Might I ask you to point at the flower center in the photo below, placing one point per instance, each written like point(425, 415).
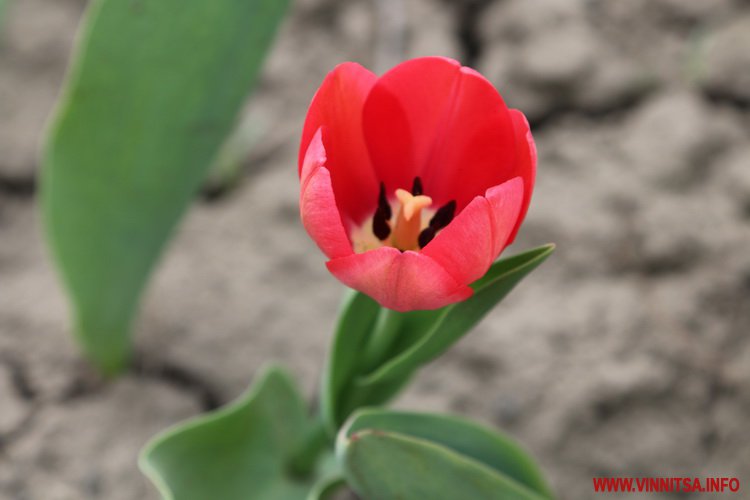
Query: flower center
point(413, 227)
point(405, 233)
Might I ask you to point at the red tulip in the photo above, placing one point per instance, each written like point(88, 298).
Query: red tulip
point(414, 182)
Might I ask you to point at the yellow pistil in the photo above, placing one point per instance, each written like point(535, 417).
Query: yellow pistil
point(405, 234)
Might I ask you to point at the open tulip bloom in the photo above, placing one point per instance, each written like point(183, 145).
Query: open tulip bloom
point(412, 184)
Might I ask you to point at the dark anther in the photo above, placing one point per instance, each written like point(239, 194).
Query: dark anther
point(426, 236)
point(443, 216)
point(383, 206)
point(380, 227)
point(416, 188)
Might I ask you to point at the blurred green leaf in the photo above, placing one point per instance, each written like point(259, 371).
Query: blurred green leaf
point(356, 321)
point(326, 488)
point(239, 452)
point(4, 8)
point(425, 335)
point(153, 92)
point(465, 438)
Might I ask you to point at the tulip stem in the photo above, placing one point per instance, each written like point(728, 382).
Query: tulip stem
point(386, 329)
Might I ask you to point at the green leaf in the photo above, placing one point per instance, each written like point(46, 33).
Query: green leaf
point(465, 438)
point(356, 321)
point(153, 92)
point(326, 488)
point(425, 335)
point(413, 456)
point(238, 452)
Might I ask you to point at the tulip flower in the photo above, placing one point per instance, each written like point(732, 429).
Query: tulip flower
point(414, 182)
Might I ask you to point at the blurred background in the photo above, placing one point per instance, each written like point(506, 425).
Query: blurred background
point(626, 354)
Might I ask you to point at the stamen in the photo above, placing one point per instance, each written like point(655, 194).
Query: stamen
point(383, 204)
point(416, 188)
point(441, 219)
point(381, 227)
point(443, 216)
point(426, 236)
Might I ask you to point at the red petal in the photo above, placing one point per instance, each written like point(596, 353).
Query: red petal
point(474, 239)
point(506, 203)
point(446, 123)
point(337, 107)
point(525, 166)
point(318, 209)
point(401, 281)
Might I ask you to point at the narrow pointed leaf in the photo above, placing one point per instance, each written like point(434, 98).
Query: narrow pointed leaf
point(433, 332)
point(417, 456)
point(239, 452)
point(154, 90)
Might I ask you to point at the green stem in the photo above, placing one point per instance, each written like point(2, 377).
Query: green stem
point(304, 460)
point(384, 334)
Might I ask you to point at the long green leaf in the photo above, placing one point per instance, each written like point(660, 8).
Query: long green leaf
point(239, 452)
point(154, 90)
point(438, 330)
point(413, 457)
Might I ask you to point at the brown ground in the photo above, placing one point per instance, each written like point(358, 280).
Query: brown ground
point(626, 354)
